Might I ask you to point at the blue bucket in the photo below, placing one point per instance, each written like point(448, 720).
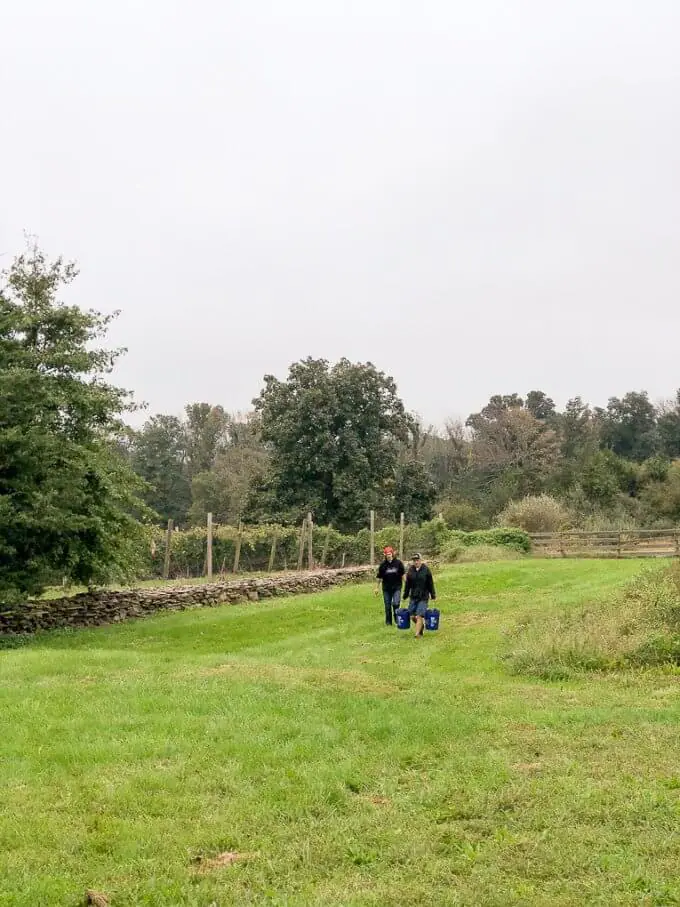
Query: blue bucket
point(403, 619)
point(432, 619)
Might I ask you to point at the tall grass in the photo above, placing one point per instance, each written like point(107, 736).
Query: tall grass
point(637, 628)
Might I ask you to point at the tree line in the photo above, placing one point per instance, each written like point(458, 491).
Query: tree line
point(77, 484)
point(337, 440)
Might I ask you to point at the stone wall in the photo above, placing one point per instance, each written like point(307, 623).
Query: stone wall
point(91, 609)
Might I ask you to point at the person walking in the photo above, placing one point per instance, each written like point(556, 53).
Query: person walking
point(390, 577)
point(419, 589)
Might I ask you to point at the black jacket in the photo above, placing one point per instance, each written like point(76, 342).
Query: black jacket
point(419, 584)
point(391, 573)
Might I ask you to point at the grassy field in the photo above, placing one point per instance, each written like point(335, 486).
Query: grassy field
point(344, 762)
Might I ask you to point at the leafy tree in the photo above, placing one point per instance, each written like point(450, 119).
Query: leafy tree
point(462, 515)
point(159, 455)
point(497, 404)
point(445, 454)
point(333, 433)
point(206, 428)
point(414, 492)
point(628, 426)
point(578, 430)
point(662, 497)
point(224, 489)
point(604, 476)
point(540, 405)
point(669, 428)
point(263, 503)
point(654, 470)
point(66, 494)
point(512, 440)
point(536, 513)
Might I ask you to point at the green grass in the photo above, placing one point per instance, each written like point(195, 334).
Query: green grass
point(356, 765)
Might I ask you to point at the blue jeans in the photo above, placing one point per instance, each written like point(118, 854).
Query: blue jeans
point(392, 599)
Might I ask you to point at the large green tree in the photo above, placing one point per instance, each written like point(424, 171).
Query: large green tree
point(206, 428)
point(414, 492)
point(669, 427)
point(159, 455)
point(629, 426)
point(67, 495)
point(334, 434)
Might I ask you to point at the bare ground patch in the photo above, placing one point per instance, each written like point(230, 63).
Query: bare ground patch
point(204, 864)
point(290, 675)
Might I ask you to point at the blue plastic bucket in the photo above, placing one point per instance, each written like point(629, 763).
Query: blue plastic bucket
point(403, 619)
point(432, 619)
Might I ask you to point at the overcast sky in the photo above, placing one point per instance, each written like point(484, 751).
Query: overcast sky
point(480, 197)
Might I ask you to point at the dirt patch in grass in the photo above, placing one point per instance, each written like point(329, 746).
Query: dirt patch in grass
point(221, 861)
point(292, 675)
point(96, 898)
point(471, 619)
point(528, 768)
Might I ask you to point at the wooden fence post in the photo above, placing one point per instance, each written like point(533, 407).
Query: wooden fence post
point(310, 550)
point(209, 549)
point(401, 536)
point(677, 544)
point(562, 548)
point(272, 554)
point(301, 547)
point(620, 545)
point(372, 552)
point(168, 545)
point(237, 552)
point(326, 543)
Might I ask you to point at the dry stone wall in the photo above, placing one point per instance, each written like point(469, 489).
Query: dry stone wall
point(91, 609)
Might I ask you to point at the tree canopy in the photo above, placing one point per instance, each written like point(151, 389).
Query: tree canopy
point(68, 499)
point(334, 434)
point(338, 440)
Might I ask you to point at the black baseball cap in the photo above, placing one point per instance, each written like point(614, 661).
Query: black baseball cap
point(416, 557)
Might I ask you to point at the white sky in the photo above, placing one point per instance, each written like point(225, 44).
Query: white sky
point(480, 197)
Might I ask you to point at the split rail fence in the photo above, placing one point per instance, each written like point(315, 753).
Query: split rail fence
point(628, 543)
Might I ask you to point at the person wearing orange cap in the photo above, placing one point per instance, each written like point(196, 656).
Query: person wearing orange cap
point(390, 577)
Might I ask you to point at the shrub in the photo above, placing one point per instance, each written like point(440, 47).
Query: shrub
point(536, 513)
point(503, 536)
point(463, 515)
point(451, 553)
point(636, 629)
point(428, 538)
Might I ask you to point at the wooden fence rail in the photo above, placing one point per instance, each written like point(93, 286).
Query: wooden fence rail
point(626, 543)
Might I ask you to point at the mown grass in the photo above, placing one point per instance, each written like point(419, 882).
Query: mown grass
point(353, 764)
